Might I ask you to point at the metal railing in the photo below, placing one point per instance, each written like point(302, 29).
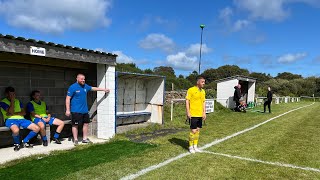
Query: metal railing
point(277, 100)
point(209, 105)
point(258, 101)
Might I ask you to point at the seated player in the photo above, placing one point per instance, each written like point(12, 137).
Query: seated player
point(13, 115)
point(39, 114)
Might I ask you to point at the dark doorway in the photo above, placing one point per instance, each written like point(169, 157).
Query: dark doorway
point(244, 89)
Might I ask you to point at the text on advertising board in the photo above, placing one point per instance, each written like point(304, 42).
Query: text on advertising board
point(209, 106)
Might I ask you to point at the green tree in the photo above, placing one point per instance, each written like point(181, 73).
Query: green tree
point(130, 67)
point(231, 70)
point(182, 84)
point(148, 71)
point(288, 76)
point(317, 87)
point(309, 86)
point(284, 84)
point(211, 75)
point(211, 93)
point(164, 71)
point(192, 78)
point(261, 77)
point(211, 85)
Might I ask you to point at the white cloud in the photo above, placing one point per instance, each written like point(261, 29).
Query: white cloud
point(289, 58)
point(240, 24)
point(56, 16)
point(264, 9)
point(123, 58)
point(182, 61)
point(272, 10)
point(275, 10)
point(233, 26)
point(157, 41)
point(194, 49)
point(225, 14)
point(188, 59)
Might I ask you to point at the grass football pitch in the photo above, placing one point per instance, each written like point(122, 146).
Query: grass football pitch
point(287, 147)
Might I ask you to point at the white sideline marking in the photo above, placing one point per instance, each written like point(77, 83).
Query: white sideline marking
point(164, 163)
point(249, 129)
point(265, 162)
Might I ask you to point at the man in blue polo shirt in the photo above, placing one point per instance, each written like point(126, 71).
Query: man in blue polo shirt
point(76, 106)
point(13, 112)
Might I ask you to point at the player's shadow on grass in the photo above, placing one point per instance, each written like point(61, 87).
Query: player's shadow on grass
point(180, 142)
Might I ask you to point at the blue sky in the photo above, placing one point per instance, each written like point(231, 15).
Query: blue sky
point(268, 36)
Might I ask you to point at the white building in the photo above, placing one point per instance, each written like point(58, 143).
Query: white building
point(225, 90)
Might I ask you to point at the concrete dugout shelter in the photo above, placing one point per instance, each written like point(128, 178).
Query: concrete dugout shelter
point(225, 89)
point(140, 98)
point(27, 64)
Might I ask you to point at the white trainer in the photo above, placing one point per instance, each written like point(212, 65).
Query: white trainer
point(196, 149)
point(191, 150)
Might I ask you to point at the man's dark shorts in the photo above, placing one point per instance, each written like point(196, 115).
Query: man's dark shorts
point(196, 122)
point(79, 118)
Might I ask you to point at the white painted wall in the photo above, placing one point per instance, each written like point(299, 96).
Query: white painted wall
point(251, 91)
point(155, 93)
point(131, 95)
point(139, 93)
point(225, 91)
point(106, 103)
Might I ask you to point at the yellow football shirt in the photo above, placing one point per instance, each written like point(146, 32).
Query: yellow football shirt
point(196, 99)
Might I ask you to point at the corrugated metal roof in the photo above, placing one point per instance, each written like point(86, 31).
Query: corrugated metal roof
point(239, 77)
point(55, 45)
point(138, 75)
